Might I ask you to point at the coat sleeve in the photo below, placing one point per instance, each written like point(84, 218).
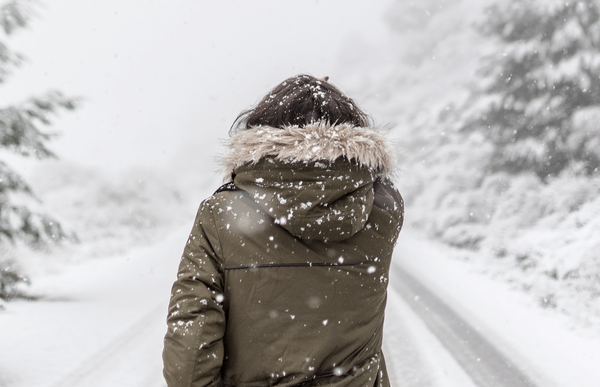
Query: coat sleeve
point(193, 348)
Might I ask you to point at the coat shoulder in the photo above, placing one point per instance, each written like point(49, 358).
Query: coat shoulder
point(230, 186)
point(387, 195)
point(388, 199)
point(215, 208)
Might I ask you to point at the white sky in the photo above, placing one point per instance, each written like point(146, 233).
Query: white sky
point(163, 78)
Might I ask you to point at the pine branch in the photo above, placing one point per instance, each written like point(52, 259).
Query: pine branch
point(15, 14)
point(20, 223)
point(19, 124)
point(586, 20)
point(10, 181)
point(10, 281)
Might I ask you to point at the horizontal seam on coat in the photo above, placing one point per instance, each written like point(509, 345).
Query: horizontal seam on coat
point(300, 264)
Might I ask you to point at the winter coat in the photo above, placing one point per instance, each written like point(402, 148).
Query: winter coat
point(283, 279)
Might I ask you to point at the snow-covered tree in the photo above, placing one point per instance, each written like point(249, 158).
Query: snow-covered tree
point(537, 91)
point(20, 134)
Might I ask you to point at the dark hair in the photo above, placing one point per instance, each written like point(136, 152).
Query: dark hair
point(300, 101)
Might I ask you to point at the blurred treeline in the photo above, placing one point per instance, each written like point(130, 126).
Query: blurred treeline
point(497, 106)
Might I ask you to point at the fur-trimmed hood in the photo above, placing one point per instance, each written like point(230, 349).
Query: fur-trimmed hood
point(317, 182)
point(319, 141)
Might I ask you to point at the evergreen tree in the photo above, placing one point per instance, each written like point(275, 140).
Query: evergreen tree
point(20, 133)
point(546, 71)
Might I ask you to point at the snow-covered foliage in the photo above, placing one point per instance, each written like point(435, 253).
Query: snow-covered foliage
point(11, 282)
point(543, 237)
point(500, 137)
point(20, 134)
point(546, 68)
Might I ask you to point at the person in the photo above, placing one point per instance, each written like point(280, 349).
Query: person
point(283, 279)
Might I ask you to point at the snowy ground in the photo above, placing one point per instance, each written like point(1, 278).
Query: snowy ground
point(102, 323)
point(553, 349)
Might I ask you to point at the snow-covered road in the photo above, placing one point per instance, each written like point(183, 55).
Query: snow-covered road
point(103, 323)
point(478, 357)
point(548, 348)
point(414, 356)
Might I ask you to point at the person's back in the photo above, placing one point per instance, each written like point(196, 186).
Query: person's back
point(283, 280)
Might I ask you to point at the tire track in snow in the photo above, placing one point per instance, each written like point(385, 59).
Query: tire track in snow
point(414, 356)
point(479, 358)
point(126, 361)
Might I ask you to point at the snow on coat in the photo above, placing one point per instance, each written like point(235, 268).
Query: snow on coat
point(283, 279)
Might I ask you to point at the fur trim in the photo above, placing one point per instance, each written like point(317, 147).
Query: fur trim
point(319, 141)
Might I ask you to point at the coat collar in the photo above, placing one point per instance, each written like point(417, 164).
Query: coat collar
point(319, 141)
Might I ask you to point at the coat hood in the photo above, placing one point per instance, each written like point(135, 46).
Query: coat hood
point(316, 181)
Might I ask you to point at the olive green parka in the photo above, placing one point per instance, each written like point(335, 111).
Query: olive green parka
point(283, 279)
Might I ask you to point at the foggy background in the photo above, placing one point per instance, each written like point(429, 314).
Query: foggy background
point(493, 107)
point(160, 80)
